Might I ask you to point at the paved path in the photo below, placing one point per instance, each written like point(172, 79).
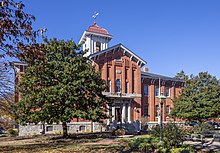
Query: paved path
point(209, 145)
point(108, 141)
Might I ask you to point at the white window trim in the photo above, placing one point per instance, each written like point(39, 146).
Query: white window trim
point(169, 92)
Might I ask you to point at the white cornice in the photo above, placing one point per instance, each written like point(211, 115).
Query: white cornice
point(124, 50)
point(85, 33)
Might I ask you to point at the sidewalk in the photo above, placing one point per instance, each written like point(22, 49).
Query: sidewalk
point(209, 145)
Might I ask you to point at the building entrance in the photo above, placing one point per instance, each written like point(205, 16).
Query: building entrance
point(118, 114)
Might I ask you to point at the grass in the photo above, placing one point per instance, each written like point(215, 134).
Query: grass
point(60, 147)
point(55, 144)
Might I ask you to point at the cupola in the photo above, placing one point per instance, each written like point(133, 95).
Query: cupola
point(95, 39)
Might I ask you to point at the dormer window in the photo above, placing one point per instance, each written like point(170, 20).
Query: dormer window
point(98, 47)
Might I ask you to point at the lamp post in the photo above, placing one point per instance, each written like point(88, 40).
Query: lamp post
point(161, 98)
point(121, 107)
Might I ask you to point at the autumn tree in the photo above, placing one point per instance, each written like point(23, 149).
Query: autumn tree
point(16, 33)
point(61, 87)
point(199, 100)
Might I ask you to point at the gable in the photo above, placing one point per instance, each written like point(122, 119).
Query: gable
point(117, 51)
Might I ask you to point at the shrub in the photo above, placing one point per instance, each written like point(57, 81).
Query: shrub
point(146, 143)
point(201, 128)
point(182, 150)
point(118, 132)
point(187, 129)
point(144, 123)
point(13, 132)
point(173, 135)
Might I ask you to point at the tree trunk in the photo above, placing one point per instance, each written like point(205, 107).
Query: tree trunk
point(64, 130)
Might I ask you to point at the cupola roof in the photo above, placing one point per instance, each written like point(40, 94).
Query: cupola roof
point(97, 29)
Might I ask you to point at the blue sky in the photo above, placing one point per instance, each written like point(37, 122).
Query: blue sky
point(171, 35)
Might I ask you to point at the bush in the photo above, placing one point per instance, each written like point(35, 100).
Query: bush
point(146, 143)
point(173, 135)
point(151, 144)
point(13, 132)
point(182, 150)
point(118, 132)
point(201, 128)
point(188, 129)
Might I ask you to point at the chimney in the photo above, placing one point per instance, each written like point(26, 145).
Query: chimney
point(146, 69)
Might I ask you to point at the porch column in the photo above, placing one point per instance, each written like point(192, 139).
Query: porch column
point(129, 112)
point(113, 113)
point(123, 113)
point(108, 113)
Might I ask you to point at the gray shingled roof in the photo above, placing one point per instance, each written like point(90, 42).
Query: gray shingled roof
point(157, 76)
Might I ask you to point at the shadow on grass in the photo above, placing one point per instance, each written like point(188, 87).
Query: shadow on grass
point(33, 147)
point(63, 147)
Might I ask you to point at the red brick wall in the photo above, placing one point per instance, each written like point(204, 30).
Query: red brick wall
point(130, 72)
point(151, 100)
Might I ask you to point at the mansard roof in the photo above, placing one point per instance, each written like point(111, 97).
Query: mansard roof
point(125, 50)
point(157, 76)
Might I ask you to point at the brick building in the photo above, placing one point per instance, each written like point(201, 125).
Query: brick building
point(133, 89)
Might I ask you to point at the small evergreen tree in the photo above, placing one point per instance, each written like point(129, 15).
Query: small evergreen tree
point(62, 86)
point(199, 100)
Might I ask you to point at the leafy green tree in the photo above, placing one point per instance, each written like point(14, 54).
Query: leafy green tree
point(181, 75)
point(62, 86)
point(199, 100)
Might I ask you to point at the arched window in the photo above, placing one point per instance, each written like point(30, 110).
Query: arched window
point(98, 47)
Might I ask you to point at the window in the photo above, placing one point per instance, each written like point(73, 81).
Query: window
point(118, 85)
point(109, 85)
point(167, 91)
point(49, 128)
point(98, 47)
point(118, 59)
point(82, 128)
point(145, 90)
point(145, 110)
point(25, 67)
point(167, 109)
point(118, 114)
point(21, 68)
point(126, 87)
point(157, 91)
point(157, 110)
